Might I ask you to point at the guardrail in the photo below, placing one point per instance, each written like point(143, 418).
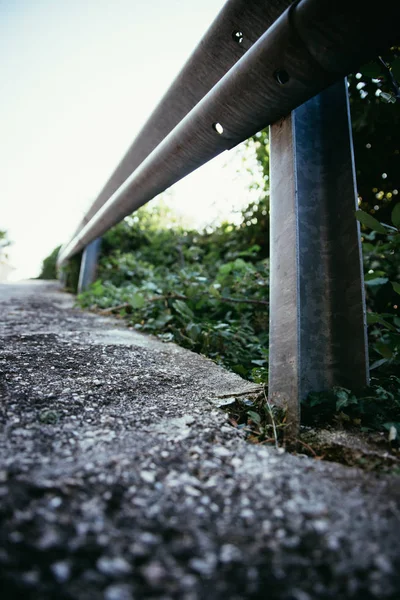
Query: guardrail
point(263, 63)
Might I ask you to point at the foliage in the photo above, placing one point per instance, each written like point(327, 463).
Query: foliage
point(202, 291)
point(378, 405)
point(70, 273)
point(4, 243)
point(49, 269)
point(376, 124)
point(382, 282)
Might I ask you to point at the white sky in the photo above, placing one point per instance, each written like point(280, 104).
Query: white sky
point(78, 80)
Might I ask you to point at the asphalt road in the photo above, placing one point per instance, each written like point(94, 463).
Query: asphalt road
point(119, 479)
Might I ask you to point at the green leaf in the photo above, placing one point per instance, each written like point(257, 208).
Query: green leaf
point(137, 301)
point(396, 286)
point(221, 326)
point(97, 289)
point(374, 275)
point(254, 416)
point(368, 247)
point(316, 398)
point(378, 363)
point(377, 281)
point(343, 398)
point(369, 221)
point(396, 216)
point(373, 318)
point(183, 309)
point(240, 370)
point(384, 350)
point(193, 330)
point(226, 268)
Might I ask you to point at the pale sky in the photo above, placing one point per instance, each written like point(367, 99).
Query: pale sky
point(78, 80)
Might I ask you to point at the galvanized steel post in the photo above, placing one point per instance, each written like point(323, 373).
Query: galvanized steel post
point(87, 273)
point(62, 276)
point(317, 319)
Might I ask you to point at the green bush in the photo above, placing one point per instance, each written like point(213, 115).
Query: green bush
point(49, 269)
point(202, 290)
point(4, 243)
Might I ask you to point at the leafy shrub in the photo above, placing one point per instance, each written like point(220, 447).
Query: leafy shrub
point(186, 287)
point(49, 269)
point(382, 278)
point(4, 243)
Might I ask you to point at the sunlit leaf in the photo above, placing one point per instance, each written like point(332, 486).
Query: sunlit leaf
point(137, 301)
point(376, 281)
point(260, 363)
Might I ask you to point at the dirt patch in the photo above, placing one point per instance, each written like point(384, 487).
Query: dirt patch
point(369, 451)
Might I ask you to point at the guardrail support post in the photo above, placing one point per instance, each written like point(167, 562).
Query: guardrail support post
point(87, 273)
point(62, 277)
point(317, 304)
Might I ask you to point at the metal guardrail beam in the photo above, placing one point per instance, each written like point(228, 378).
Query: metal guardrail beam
point(318, 333)
point(311, 45)
point(238, 25)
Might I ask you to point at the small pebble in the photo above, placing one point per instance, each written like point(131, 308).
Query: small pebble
point(148, 476)
point(118, 592)
point(113, 566)
point(61, 571)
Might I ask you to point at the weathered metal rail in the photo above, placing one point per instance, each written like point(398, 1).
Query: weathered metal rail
point(259, 62)
point(282, 69)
